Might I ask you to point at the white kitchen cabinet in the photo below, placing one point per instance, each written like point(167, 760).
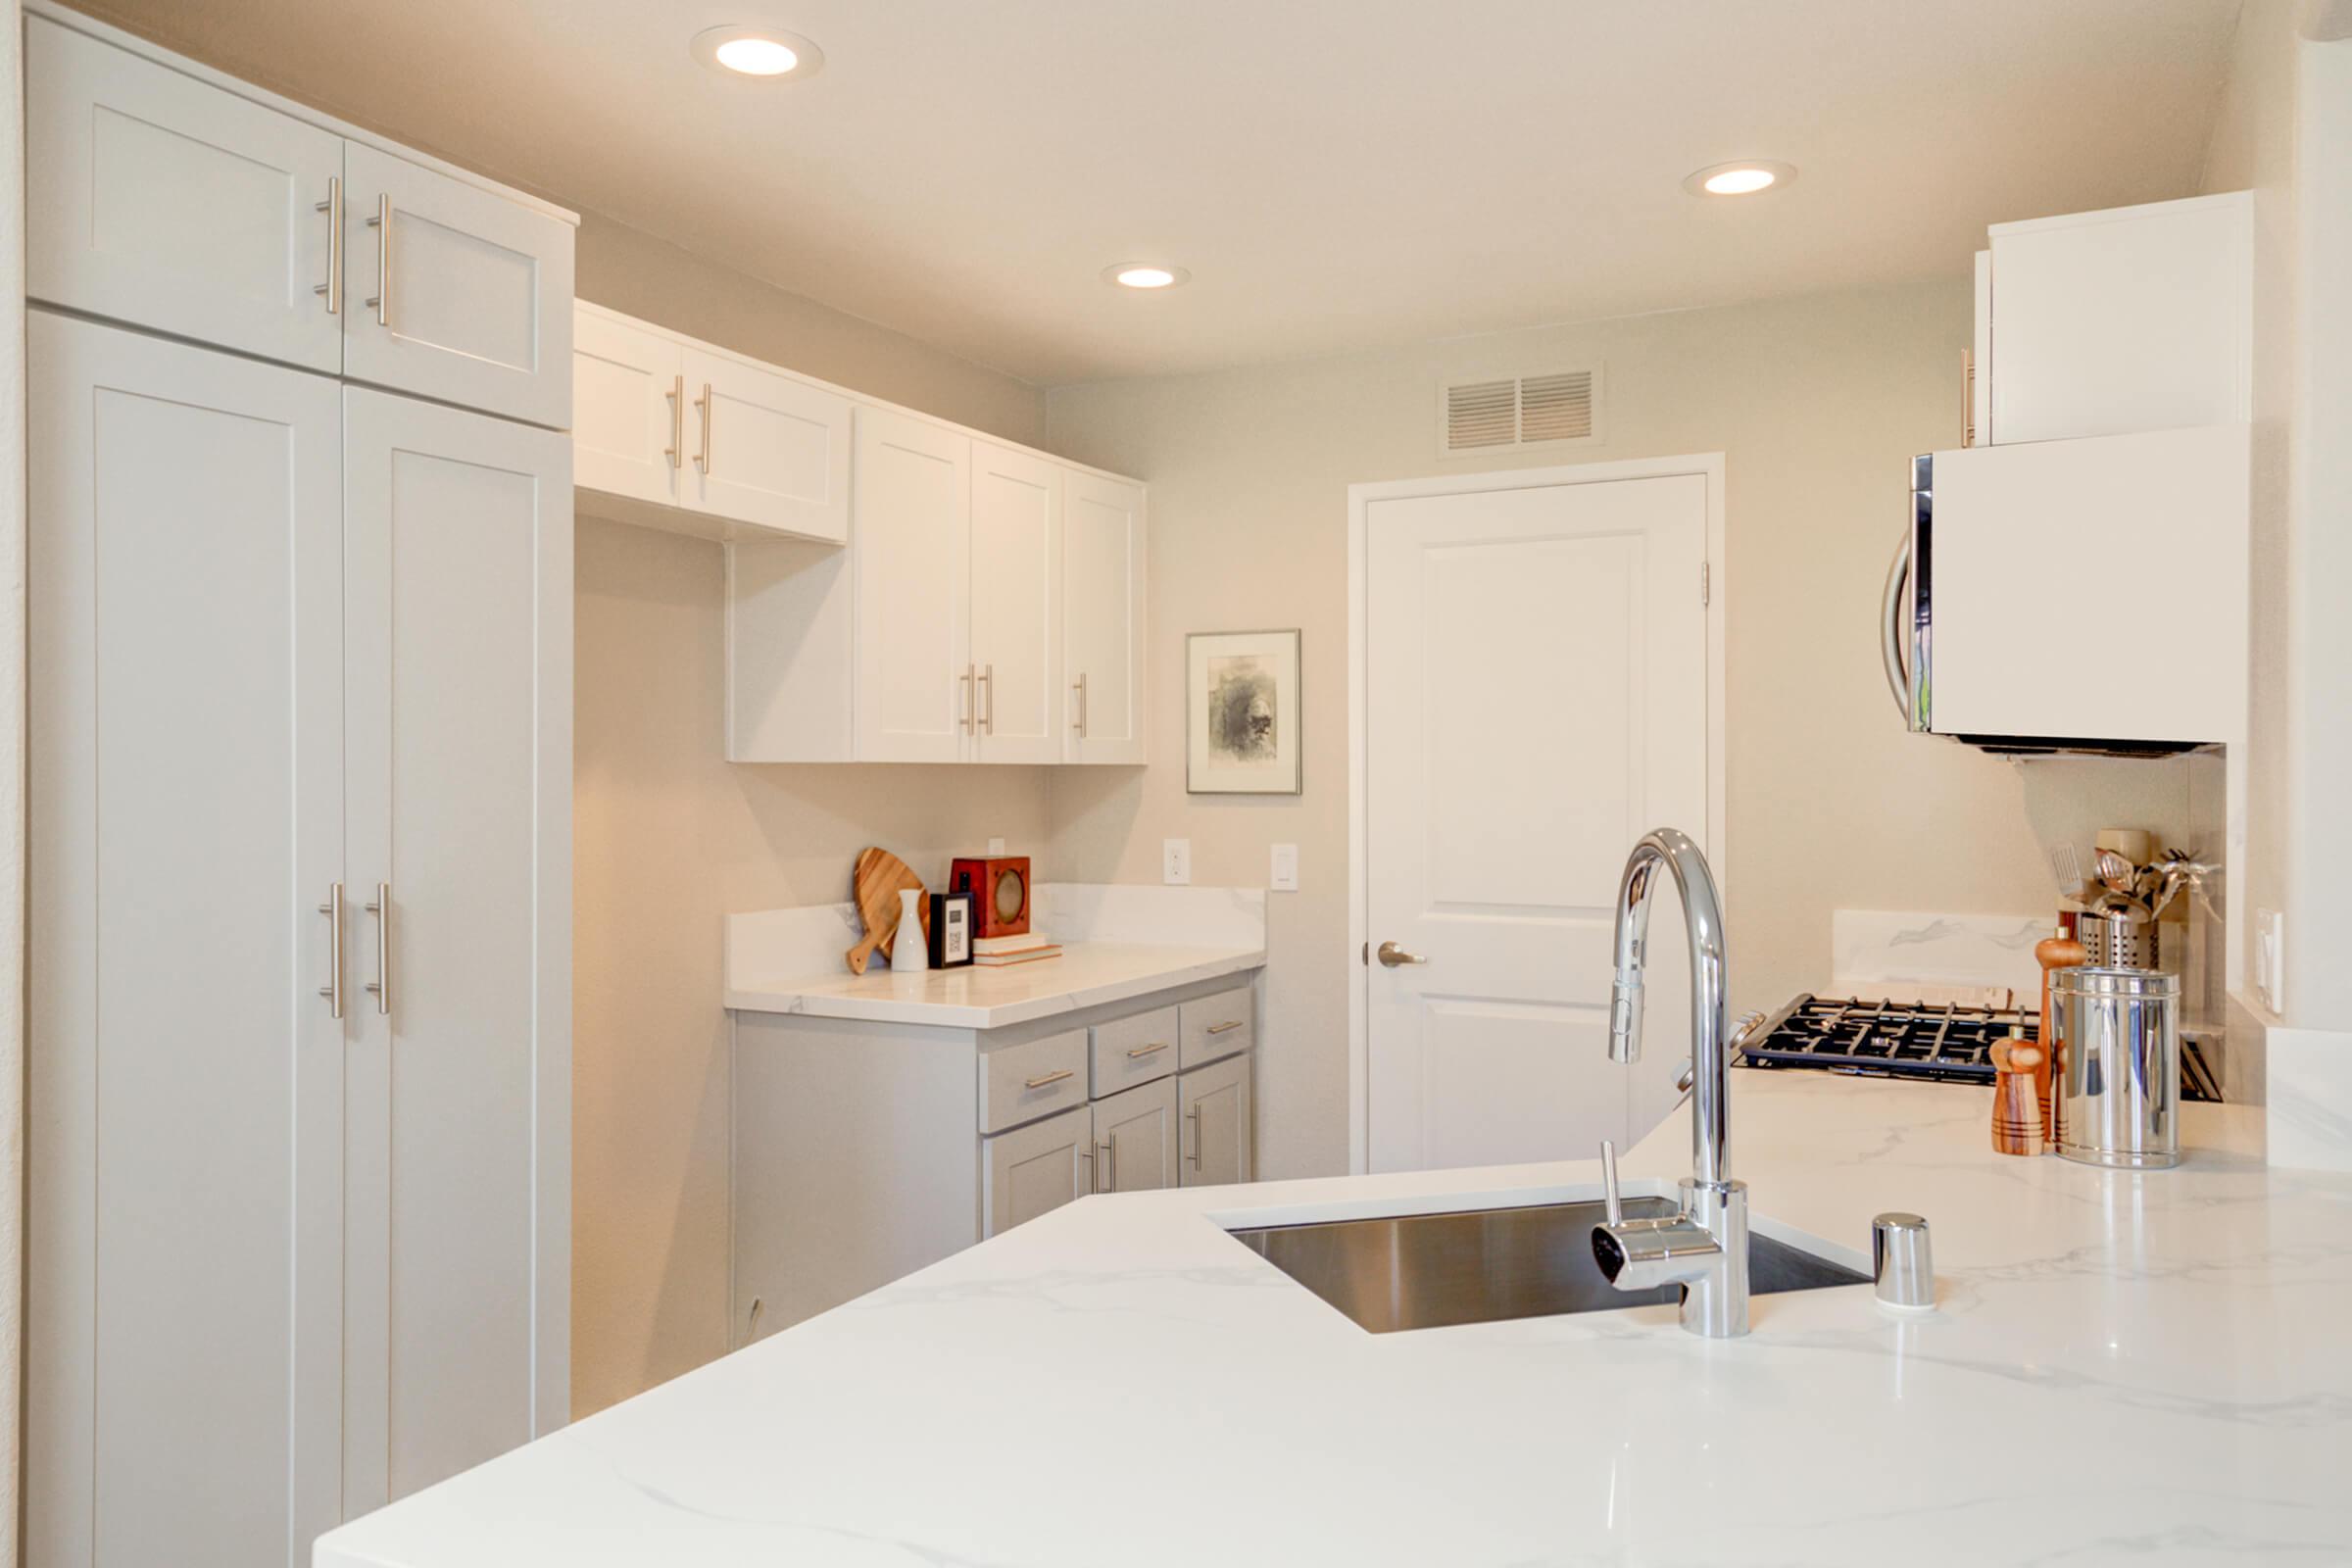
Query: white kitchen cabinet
point(910, 558)
point(862, 1150)
point(303, 649)
point(1102, 618)
point(455, 293)
point(1016, 559)
point(164, 199)
point(1135, 1138)
point(457, 561)
point(1217, 1132)
point(1035, 1169)
point(184, 1308)
point(2125, 320)
point(629, 408)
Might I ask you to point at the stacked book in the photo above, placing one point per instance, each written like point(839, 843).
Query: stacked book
point(994, 953)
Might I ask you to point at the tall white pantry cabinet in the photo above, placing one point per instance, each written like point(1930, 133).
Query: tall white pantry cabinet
point(300, 785)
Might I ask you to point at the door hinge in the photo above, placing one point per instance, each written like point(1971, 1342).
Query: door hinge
point(1707, 583)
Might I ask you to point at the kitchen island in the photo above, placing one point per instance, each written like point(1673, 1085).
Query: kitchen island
point(2121, 1368)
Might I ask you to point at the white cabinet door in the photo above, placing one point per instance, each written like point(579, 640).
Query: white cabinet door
point(157, 199)
point(1016, 605)
point(1032, 1169)
point(1103, 594)
point(1135, 1138)
point(457, 660)
point(1217, 1132)
point(629, 408)
point(912, 557)
point(765, 451)
point(184, 1313)
point(455, 293)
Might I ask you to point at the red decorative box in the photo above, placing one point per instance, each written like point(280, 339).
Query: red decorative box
point(1000, 888)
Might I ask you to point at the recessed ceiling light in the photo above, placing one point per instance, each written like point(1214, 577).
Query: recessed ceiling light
point(767, 53)
point(1745, 177)
point(1146, 275)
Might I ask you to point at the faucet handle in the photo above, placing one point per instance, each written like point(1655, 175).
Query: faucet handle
point(1608, 1182)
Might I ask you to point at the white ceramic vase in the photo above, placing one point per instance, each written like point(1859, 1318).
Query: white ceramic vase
point(908, 951)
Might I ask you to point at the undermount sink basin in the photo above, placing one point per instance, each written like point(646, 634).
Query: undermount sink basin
point(1484, 1266)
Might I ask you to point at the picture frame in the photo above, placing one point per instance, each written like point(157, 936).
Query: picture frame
point(951, 930)
point(1243, 709)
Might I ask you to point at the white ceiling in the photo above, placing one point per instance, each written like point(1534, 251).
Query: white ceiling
point(1337, 174)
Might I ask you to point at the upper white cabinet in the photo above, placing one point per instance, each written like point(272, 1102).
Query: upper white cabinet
point(2106, 322)
point(910, 556)
point(676, 434)
point(452, 292)
point(1102, 620)
point(163, 200)
point(1016, 605)
point(166, 196)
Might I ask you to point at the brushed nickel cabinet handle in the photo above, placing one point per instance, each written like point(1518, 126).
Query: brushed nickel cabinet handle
point(708, 409)
point(965, 682)
point(1103, 1166)
point(333, 908)
point(381, 988)
point(1146, 1050)
point(675, 452)
point(381, 222)
point(332, 288)
point(1087, 1153)
point(1192, 1115)
point(1079, 724)
point(988, 712)
point(1225, 1028)
point(1044, 1079)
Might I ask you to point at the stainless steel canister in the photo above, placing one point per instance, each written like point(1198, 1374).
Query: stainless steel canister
point(2119, 1066)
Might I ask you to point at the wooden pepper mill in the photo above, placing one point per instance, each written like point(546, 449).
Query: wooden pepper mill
point(2016, 1113)
point(2061, 951)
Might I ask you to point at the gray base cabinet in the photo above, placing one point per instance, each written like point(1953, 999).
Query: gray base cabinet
point(864, 1152)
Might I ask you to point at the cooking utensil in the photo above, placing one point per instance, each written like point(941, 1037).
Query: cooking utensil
point(2115, 871)
point(874, 887)
point(2067, 865)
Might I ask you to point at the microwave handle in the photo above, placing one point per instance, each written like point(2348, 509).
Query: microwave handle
point(1890, 628)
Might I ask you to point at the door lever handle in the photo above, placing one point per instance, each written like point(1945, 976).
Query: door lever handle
point(1391, 957)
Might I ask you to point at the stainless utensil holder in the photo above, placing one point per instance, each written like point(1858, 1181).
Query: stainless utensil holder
point(2118, 1036)
point(2115, 943)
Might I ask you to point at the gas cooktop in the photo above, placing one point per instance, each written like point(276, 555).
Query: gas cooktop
point(1945, 1043)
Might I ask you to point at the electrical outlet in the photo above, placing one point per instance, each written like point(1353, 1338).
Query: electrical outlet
point(2270, 959)
point(1176, 862)
point(1285, 877)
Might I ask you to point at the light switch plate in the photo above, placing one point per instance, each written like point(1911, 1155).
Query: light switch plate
point(995, 845)
point(1176, 862)
point(1285, 875)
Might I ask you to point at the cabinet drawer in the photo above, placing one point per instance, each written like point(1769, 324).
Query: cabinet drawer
point(1134, 1050)
point(1021, 1083)
point(1215, 1026)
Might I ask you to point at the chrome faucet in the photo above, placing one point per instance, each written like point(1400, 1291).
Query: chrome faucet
point(1704, 1247)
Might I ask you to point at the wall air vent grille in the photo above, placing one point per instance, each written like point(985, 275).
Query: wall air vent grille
point(1550, 408)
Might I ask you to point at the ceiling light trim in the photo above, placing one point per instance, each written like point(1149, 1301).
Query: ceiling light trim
point(1782, 176)
point(807, 58)
point(1167, 274)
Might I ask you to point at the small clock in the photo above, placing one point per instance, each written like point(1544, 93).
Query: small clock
point(1000, 889)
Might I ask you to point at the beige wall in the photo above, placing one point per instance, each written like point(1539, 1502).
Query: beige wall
point(1818, 403)
point(668, 836)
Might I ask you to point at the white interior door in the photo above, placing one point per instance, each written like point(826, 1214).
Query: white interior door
point(1103, 587)
point(184, 1305)
point(455, 293)
point(1016, 605)
point(1535, 698)
point(459, 552)
point(912, 559)
point(159, 198)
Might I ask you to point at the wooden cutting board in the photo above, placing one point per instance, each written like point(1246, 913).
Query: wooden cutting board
point(874, 888)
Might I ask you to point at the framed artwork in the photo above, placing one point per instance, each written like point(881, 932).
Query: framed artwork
point(1242, 712)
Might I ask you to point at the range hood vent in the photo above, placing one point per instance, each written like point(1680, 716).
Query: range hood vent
point(1502, 414)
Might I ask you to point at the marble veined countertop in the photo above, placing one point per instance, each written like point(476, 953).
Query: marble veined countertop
point(977, 997)
point(2124, 1369)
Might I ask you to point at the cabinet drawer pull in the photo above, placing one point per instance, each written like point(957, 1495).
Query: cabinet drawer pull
point(675, 452)
point(332, 288)
point(381, 988)
point(333, 908)
point(709, 413)
point(1225, 1028)
point(1079, 724)
point(1192, 1115)
point(1103, 1166)
point(1055, 1077)
point(988, 714)
point(381, 222)
point(1146, 1050)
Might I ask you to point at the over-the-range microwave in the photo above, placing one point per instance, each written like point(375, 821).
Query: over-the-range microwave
point(2075, 596)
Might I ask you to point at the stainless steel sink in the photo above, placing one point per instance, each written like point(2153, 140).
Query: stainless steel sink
point(1426, 1271)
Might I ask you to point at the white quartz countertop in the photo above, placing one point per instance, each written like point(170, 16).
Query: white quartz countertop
point(2124, 1369)
point(1084, 974)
